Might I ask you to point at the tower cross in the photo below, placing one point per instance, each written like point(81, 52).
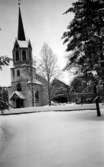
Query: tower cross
point(19, 3)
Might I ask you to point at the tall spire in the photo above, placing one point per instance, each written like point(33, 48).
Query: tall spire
point(21, 33)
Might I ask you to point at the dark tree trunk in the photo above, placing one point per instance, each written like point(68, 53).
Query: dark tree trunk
point(49, 93)
point(97, 101)
point(2, 112)
point(98, 108)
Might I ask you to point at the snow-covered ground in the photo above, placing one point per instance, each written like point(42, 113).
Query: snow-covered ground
point(52, 139)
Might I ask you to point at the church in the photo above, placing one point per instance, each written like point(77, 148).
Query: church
point(27, 87)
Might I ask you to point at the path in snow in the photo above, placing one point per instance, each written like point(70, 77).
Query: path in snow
point(54, 139)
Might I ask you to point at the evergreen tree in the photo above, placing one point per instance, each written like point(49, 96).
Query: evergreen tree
point(3, 99)
point(85, 38)
point(4, 60)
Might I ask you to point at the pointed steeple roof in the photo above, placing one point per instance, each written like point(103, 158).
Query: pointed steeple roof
point(21, 33)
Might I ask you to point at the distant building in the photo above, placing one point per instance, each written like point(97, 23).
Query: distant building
point(60, 91)
point(27, 87)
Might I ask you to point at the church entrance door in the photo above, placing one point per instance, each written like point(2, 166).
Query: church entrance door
point(19, 103)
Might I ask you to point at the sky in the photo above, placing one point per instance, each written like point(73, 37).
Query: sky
point(43, 22)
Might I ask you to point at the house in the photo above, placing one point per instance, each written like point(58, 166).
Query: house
point(60, 91)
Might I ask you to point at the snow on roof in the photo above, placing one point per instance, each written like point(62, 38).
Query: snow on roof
point(23, 44)
point(18, 94)
point(35, 81)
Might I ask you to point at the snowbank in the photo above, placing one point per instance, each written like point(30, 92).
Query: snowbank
point(64, 107)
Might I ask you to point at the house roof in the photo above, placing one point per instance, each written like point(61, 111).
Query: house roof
point(59, 82)
point(17, 94)
point(35, 81)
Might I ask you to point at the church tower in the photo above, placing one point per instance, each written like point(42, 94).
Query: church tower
point(27, 88)
point(23, 71)
point(22, 51)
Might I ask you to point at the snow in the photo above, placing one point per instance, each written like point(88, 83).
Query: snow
point(35, 81)
point(18, 94)
point(23, 44)
point(61, 107)
point(52, 139)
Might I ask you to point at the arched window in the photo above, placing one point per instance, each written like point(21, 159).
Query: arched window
point(24, 55)
point(19, 88)
point(37, 95)
point(18, 73)
point(17, 55)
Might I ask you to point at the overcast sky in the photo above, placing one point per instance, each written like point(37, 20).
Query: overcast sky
point(43, 22)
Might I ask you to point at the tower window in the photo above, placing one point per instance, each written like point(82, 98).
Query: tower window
point(17, 55)
point(37, 96)
point(18, 73)
point(19, 87)
point(24, 55)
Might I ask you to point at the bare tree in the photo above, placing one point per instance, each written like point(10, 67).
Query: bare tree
point(47, 67)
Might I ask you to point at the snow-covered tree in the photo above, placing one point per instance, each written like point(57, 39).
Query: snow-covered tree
point(85, 37)
point(4, 60)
